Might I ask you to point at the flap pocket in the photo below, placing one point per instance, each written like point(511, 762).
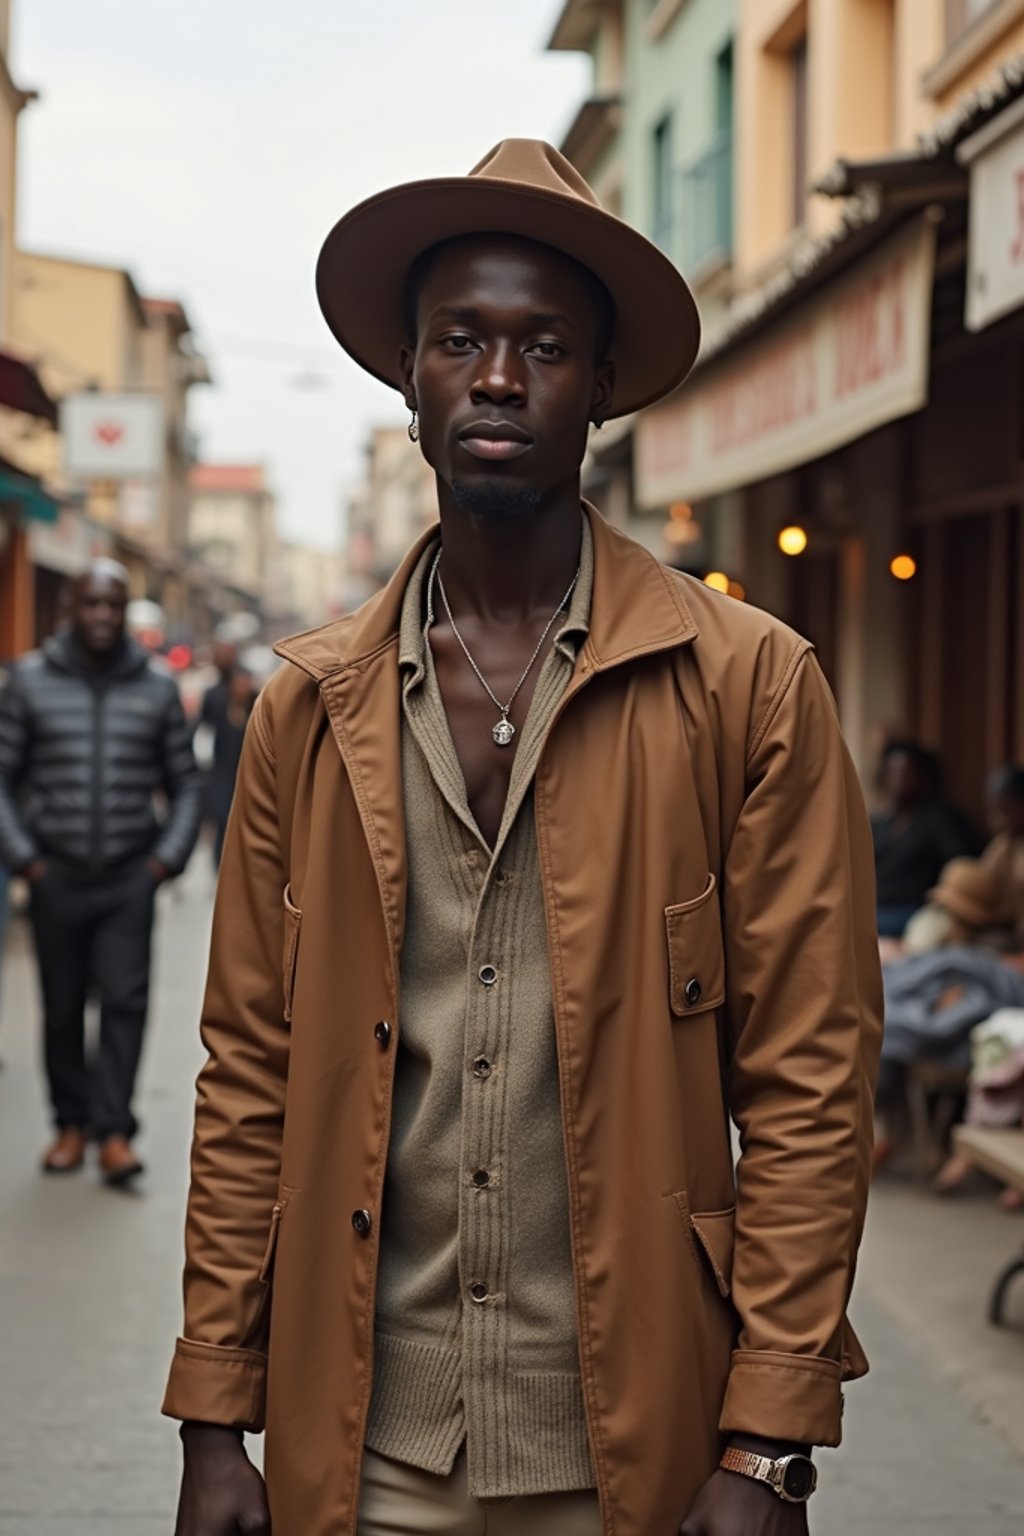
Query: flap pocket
point(696, 960)
point(715, 1231)
point(292, 924)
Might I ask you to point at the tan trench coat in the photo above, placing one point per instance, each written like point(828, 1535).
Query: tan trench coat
point(709, 891)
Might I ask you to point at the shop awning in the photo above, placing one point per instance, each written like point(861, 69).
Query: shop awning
point(28, 496)
point(21, 389)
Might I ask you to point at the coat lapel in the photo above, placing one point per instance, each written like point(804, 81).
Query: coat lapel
point(638, 608)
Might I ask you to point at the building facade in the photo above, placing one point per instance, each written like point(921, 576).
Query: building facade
point(233, 540)
point(847, 452)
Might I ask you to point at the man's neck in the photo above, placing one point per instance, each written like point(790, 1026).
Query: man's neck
point(505, 570)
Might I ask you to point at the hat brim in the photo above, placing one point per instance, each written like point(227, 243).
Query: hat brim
point(365, 262)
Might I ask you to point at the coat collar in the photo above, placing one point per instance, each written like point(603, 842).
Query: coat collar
point(637, 607)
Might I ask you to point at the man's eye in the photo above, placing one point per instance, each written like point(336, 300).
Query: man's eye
point(458, 343)
point(548, 348)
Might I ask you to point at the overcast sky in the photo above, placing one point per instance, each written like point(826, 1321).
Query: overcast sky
point(208, 146)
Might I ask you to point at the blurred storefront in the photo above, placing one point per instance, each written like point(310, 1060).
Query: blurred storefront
point(853, 446)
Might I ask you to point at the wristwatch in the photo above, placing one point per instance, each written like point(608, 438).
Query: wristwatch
point(794, 1478)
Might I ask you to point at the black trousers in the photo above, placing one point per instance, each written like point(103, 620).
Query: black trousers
point(94, 936)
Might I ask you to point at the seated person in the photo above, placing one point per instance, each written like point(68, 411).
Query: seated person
point(1004, 856)
point(915, 836)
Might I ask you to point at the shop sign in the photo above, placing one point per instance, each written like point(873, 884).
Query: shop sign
point(69, 544)
point(855, 357)
point(111, 437)
point(995, 242)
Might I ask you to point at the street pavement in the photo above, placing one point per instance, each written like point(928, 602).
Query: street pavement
point(89, 1308)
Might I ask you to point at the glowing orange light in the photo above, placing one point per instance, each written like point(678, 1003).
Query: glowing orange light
point(793, 540)
point(680, 512)
point(737, 590)
point(904, 567)
point(681, 533)
point(718, 581)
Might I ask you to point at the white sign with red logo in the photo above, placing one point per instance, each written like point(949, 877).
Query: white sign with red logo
point(995, 250)
point(854, 357)
point(111, 437)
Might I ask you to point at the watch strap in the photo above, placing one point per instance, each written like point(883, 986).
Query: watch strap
point(747, 1464)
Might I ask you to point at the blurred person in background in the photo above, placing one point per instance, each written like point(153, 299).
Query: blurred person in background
point(228, 725)
point(469, 1257)
point(90, 733)
point(1004, 856)
point(915, 835)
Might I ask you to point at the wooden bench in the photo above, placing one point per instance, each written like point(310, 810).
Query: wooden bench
point(1001, 1154)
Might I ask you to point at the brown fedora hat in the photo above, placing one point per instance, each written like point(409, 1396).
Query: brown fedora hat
point(526, 188)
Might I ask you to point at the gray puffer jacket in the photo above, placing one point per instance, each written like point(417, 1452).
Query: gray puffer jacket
point(82, 755)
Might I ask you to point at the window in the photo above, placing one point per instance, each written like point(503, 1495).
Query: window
point(707, 182)
point(798, 61)
point(661, 140)
point(960, 14)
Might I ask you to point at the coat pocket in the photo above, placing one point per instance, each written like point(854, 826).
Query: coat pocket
point(712, 1236)
point(696, 959)
point(292, 925)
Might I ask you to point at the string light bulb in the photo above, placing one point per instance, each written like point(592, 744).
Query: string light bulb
point(793, 540)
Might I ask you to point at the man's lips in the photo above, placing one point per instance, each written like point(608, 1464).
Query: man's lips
point(495, 440)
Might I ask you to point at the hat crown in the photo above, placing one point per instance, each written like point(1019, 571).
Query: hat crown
point(533, 163)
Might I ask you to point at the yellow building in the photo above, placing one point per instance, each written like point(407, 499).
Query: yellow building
point(860, 379)
point(89, 329)
point(27, 414)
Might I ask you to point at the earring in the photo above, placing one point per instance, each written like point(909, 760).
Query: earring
point(414, 428)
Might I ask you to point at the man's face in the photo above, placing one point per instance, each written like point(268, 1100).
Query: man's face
point(505, 373)
point(98, 613)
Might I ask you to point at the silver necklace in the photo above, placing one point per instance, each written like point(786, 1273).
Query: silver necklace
point(504, 730)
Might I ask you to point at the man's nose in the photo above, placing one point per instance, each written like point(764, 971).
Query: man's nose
point(500, 376)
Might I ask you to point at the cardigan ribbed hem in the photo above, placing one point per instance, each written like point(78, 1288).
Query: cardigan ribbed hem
point(539, 1442)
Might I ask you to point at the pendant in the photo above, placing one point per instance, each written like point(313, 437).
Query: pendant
point(503, 731)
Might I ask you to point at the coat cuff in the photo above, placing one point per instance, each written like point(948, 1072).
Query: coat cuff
point(215, 1385)
point(783, 1397)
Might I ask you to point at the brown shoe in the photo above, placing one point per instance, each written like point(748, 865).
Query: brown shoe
point(118, 1162)
point(67, 1153)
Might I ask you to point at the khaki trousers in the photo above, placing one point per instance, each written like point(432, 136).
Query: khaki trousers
point(398, 1500)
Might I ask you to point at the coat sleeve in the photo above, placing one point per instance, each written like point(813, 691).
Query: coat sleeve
point(17, 847)
point(219, 1368)
point(184, 787)
point(805, 1024)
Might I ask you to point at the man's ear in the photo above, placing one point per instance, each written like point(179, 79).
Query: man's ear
point(604, 391)
point(406, 363)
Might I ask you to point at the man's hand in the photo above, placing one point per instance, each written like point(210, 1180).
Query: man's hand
point(222, 1494)
point(732, 1505)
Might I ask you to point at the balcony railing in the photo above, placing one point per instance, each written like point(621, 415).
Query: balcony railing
point(707, 206)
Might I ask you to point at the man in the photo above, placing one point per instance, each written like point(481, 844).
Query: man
point(915, 836)
point(540, 864)
point(90, 731)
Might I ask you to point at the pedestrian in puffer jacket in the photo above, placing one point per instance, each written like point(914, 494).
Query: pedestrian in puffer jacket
point(90, 732)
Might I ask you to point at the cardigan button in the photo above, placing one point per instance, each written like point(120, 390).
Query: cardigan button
point(382, 1034)
point(488, 975)
point(693, 992)
point(362, 1223)
point(479, 1292)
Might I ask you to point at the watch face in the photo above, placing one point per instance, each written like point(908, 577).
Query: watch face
point(798, 1479)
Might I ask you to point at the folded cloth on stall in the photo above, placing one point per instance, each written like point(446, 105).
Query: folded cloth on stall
point(932, 1003)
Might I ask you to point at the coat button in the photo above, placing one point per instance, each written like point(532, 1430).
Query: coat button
point(481, 1179)
point(693, 992)
point(479, 1292)
point(488, 975)
point(382, 1034)
point(481, 1068)
point(362, 1223)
